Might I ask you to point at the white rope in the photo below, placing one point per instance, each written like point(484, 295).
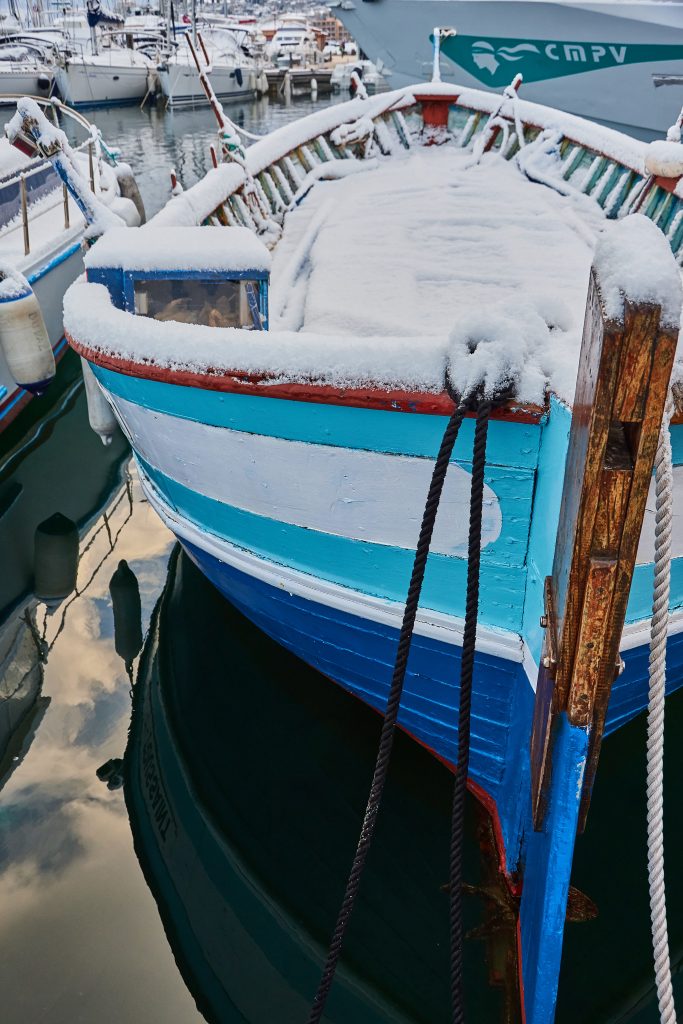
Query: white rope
point(655, 720)
point(243, 131)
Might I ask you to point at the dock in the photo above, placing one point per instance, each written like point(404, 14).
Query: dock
point(301, 81)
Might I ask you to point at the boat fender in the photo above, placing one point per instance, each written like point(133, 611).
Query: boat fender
point(55, 565)
point(44, 82)
point(23, 336)
point(128, 187)
point(126, 210)
point(664, 159)
point(100, 415)
point(127, 608)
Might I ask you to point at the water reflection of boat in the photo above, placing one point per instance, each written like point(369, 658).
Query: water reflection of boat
point(244, 821)
point(22, 704)
point(48, 475)
point(43, 477)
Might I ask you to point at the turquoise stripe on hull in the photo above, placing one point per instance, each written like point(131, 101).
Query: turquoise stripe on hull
point(510, 444)
point(375, 569)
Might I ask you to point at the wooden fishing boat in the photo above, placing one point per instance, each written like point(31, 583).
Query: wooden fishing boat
point(290, 445)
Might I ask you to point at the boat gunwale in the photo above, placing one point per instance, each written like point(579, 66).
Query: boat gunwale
point(239, 382)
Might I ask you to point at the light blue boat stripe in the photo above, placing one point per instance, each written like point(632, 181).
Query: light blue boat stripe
point(677, 444)
point(640, 598)
point(510, 444)
point(376, 569)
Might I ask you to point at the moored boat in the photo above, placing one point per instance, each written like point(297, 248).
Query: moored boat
point(41, 230)
point(290, 445)
point(114, 76)
point(615, 62)
point(233, 73)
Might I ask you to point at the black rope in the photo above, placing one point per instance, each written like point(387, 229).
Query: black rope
point(465, 708)
point(391, 714)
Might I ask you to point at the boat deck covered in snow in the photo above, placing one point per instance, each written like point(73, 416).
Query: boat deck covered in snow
point(435, 243)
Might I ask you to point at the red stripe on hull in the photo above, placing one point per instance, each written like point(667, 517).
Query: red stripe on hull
point(254, 384)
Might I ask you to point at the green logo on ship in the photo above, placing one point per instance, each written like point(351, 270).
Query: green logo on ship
point(494, 61)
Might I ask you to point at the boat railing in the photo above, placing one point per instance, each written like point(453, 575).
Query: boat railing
point(23, 193)
point(589, 159)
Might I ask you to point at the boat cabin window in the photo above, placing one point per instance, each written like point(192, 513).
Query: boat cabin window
point(210, 303)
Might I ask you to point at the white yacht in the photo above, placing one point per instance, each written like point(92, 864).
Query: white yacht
point(233, 74)
point(372, 77)
point(617, 62)
point(25, 68)
point(114, 75)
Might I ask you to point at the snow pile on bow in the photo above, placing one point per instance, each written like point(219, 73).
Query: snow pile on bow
point(634, 258)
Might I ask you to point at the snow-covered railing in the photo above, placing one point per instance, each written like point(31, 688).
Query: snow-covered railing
point(566, 152)
point(31, 130)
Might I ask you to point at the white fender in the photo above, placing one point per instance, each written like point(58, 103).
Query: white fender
point(126, 210)
point(23, 335)
point(100, 415)
point(128, 187)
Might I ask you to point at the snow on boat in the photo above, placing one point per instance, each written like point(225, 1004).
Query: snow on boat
point(289, 439)
point(234, 74)
point(116, 76)
point(41, 230)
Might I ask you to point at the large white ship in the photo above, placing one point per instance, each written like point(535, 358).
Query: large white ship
point(620, 63)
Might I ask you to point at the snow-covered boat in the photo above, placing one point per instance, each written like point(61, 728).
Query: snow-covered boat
point(115, 76)
point(233, 73)
point(289, 441)
point(25, 68)
point(41, 231)
point(369, 73)
point(612, 61)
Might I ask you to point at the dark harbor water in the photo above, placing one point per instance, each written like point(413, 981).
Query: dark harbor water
point(153, 140)
point(199, 878)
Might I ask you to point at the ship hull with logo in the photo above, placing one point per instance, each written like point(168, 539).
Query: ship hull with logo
point(617, 63)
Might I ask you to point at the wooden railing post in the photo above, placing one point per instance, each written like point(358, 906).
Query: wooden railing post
point(623, 378)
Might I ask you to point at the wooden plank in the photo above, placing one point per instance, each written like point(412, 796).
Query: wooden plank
point(623, 377)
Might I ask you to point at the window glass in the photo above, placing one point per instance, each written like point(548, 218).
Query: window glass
point(211, 303)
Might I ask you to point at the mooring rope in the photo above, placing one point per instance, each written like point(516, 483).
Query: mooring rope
point(465, 709)
point(655, 720)
point(396, 690)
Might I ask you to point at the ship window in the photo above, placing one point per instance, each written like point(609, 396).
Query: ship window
point(210, 303)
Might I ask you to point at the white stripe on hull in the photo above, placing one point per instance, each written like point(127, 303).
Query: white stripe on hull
point(361, 495)
point(436, 625)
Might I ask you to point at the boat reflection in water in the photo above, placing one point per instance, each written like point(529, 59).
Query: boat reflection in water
point(53, 488)
point(245, 784)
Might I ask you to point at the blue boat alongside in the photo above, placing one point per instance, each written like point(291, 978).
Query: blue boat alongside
point(41, 234)
point(290, 448)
